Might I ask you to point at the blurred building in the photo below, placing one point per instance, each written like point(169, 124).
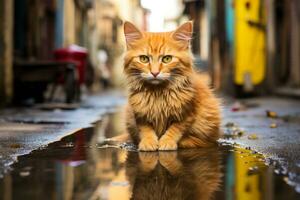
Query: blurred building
point(30, 31)
point(6, 49)
point(106, 34)
point(163, 17)
point(248, 46)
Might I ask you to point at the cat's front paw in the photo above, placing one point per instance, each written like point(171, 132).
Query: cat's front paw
point(148, 144)
point(166, 143)
point(148, 160)
point(169, 160)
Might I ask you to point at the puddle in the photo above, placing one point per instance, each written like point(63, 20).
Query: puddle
point(78, 168)
point(32, 121)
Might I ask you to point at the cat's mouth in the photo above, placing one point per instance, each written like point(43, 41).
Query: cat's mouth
point(155, 81)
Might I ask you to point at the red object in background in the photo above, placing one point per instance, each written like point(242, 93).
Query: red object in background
point(75, 54)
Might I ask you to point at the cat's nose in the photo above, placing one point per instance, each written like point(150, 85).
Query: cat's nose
point(155, 74)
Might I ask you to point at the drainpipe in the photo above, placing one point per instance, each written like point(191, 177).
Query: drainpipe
point(6, 52)
point(270, 38)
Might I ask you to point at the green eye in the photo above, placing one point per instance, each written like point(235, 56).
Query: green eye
point(144, 59)
point(167, 59)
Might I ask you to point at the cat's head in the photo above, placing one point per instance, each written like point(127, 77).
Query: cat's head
point(158, 58)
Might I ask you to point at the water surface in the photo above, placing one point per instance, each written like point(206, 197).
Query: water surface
point(80, 166)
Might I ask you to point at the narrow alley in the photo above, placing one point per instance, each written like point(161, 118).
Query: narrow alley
point(63, 94)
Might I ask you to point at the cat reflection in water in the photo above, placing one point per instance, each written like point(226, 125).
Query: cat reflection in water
point(183, 175)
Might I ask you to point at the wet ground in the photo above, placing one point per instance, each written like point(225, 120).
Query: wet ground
point(80, 166)
point(23, 130)
point(270, 126)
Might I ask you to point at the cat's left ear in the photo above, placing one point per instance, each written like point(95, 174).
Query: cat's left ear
point(184, 32)
point(131, 32)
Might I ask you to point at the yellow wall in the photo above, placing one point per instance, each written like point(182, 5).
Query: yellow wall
point(250, 43)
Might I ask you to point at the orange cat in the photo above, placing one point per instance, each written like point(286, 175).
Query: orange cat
point(169, 106)
point(177, 175)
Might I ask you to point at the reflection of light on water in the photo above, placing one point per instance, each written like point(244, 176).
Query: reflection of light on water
point(119, 183)
point(251, 175)
point(110, 170)
point(76, 163)
point(119, 187)
point(83, 169)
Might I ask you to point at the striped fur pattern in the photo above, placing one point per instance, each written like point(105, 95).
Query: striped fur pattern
point(169, 105)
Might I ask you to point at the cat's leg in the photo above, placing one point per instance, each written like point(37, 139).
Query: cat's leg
point(148, 161)
point(148, 139)
point(171, 137)
point(170, 161)
point(190, 141)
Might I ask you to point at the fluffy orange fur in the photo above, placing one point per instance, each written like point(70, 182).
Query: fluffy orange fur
point(177, 175)
point(169, 105)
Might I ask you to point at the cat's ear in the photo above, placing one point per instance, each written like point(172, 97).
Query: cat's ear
point(131, 32)
point(184, 32)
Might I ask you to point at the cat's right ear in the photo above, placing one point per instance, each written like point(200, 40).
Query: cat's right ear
point(131, 32)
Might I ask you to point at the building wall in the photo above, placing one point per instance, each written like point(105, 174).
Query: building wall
point(42, 26)
point(59, 23)
point(6, 49)
point(69, 23)
point(295, 43)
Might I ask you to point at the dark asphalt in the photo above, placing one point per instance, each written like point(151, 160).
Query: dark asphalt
point(280, 145)
point(24, 130)
point(79, 167)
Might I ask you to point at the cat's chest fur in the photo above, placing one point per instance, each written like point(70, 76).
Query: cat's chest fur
point(159, 109)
